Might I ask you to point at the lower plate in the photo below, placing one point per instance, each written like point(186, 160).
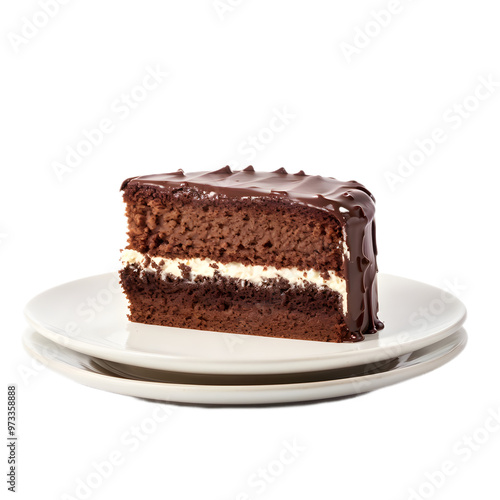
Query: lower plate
point(227, 390)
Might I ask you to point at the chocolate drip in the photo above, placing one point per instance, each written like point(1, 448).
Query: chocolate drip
point(349, 202)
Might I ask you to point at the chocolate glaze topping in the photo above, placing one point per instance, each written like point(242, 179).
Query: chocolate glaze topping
point(350, 203)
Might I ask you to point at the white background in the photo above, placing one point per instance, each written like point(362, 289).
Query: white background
point(358, 104)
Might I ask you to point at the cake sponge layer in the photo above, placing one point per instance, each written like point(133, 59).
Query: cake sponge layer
point(274, 309)
point(266, 231)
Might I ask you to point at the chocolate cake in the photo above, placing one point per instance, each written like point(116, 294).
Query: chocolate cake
point(258, 253)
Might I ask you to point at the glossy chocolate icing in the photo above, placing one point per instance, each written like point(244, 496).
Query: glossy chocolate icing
point(350, 203)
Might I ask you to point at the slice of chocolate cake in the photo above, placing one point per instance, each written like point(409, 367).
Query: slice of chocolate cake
point(257, 253)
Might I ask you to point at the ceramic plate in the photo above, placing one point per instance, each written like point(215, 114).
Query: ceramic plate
point(89, 316)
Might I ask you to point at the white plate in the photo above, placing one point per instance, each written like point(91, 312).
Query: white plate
point(89, 316)
point(89, 371)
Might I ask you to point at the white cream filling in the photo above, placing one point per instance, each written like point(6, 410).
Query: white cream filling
point(254, 274)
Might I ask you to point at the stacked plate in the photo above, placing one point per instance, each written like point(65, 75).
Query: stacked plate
point(82, 332)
